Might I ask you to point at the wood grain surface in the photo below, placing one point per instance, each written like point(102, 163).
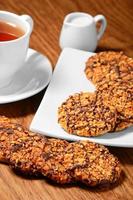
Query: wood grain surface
point(48, 16)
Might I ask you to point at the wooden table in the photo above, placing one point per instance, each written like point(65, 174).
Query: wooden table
point(48, 16)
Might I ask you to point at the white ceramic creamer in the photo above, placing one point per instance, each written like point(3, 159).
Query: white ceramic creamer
point(79, 31)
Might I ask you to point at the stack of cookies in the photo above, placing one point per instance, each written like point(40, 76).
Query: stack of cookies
point(110, 107)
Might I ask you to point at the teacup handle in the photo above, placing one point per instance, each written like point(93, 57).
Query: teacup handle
point(29, 20)
point(102, 19)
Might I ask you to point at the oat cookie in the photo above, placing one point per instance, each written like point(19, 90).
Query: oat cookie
point(14, 138)
point(50, 162)
point(24, 152)
point(99, 166)
point(84, 114)
point(118, 94)
point(108, 66)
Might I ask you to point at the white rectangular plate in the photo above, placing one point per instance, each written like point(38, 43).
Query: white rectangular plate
point(69, 78)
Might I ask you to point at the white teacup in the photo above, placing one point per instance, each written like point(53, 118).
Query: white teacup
point(13, 52)
point(79, 31)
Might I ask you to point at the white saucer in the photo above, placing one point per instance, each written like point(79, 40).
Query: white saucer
point(33, 77)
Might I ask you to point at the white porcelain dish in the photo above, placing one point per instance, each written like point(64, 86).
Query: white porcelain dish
point(69, 78)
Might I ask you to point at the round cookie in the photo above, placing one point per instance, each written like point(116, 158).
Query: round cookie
point(25, 148)
point(87, 162)
point(109, 66)
point(119, 95)
point(50, 162)
point(99, 166)
point(15, 141)
point(82, 114)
